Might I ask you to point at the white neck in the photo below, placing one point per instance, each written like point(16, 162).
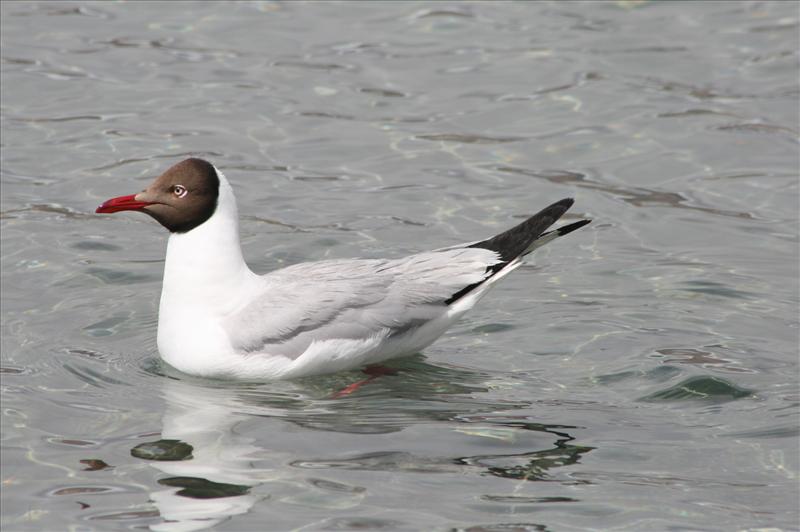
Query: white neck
point(205, 266)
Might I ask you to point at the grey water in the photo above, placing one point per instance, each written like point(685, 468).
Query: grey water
point(639, 374)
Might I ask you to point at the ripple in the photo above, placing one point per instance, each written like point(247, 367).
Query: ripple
point(698, 357)
point(90, 245)
point(692, 112)
point(637, 196)
point(469, 139)
point(360, 523)
point(657, 374)
point(81, 11)
point(383, 461)
point(11, 370)
point(74, 442)
point(314, 66)
point(652, 479)
point(106, 327)
point(84, 490)
point(326, 114)
point(52, 208)
point(125, 515)
point(57, 119)
point(91, 376)
point(781, 431)
point(120, 277)
point(433, 13)
point(386, 93)
point(89, 353)
point(507, 527)
point(330, 485)
point(489, 328)
point(124, 162)
point(517, 499)
point(716, 288)
point(755, 127)
point(702, 388)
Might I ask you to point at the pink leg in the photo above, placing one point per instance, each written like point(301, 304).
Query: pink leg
point(373, 371)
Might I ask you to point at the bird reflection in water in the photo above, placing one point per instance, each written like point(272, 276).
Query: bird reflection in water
point(215, 471)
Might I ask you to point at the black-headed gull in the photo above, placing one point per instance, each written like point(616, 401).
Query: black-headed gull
point(219, 319)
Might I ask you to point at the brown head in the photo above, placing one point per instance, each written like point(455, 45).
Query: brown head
point(180, 199)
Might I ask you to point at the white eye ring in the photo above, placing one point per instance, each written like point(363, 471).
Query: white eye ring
point(179, 190)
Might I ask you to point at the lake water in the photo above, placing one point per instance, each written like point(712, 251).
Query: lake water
point(639, 374)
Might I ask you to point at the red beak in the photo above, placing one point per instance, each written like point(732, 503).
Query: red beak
point(122, 203)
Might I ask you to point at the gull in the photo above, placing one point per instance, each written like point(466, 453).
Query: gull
point(218, 319)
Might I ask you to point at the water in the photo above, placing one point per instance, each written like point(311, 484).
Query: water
point(642, 374)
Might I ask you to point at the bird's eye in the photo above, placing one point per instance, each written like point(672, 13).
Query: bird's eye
point(179, 190)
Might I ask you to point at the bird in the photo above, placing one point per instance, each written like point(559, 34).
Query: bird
point(218, 319)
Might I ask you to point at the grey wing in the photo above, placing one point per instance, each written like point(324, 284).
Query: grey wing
point(352, 299)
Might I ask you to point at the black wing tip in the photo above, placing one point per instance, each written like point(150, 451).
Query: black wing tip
point(566, 203)
point(567, 229)
point(557, 209)
point(502, 247)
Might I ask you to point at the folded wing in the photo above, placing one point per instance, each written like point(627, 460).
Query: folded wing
point(353, 299)
point(361, 299)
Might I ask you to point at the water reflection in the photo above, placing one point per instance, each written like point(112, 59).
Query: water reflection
point(532, 465)
point(207, 462)
point(225, 446)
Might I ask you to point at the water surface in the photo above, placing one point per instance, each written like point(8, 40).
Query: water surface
point(640, 374)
